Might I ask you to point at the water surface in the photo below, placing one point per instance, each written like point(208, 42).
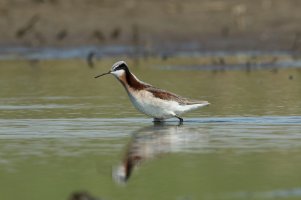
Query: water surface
point(62, 131)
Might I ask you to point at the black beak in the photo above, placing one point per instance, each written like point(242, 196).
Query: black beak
point(102, 74)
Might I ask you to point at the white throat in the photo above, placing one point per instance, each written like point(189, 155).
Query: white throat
point(118, 73)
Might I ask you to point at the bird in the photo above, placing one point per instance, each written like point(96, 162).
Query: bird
point(154, 102)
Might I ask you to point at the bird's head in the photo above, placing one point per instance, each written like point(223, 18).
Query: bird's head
point(119, 69)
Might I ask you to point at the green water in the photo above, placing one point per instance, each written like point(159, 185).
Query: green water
point(63, 131)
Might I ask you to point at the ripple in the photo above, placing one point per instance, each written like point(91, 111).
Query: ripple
point(196, 135)
point(272, 194)
point(36, 106)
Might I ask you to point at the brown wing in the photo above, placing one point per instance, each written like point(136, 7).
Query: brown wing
point(163, 94)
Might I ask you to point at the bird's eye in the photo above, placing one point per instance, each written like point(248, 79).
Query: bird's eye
point(121, 66)
point(118, 68)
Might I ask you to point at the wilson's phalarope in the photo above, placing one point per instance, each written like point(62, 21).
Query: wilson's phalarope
point(154, 102)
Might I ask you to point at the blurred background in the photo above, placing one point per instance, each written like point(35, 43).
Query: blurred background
point(204, 24)
point(66, 135)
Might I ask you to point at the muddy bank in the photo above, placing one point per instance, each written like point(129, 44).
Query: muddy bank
point(206, 24)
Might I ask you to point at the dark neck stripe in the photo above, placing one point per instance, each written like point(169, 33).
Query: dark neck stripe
point(133, 82)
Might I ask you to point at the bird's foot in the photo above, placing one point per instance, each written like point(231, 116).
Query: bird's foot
point(181, 120)
point(158, 121)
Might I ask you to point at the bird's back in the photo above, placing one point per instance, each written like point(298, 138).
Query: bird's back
point(169, 96)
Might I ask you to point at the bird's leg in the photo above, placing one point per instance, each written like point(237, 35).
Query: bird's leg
point(181, 119)
point(158, 121)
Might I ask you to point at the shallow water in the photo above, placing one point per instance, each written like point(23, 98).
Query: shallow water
point(62, 131)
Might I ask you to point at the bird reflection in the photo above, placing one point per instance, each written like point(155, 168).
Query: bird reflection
point(148, 143)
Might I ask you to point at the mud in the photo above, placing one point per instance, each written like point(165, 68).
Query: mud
point(204, 24)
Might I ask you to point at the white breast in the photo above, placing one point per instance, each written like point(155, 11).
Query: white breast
point(146, 103)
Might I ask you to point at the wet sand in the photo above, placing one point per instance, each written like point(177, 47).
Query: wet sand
point(205, 24)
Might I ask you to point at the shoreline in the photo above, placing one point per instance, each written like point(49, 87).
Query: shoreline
point(180, 59)
point(109, 51)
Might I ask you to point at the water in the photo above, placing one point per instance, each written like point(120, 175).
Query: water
point(63, 131)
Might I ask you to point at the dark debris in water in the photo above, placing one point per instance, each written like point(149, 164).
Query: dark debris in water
point(217, 61)
point(82, 196)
